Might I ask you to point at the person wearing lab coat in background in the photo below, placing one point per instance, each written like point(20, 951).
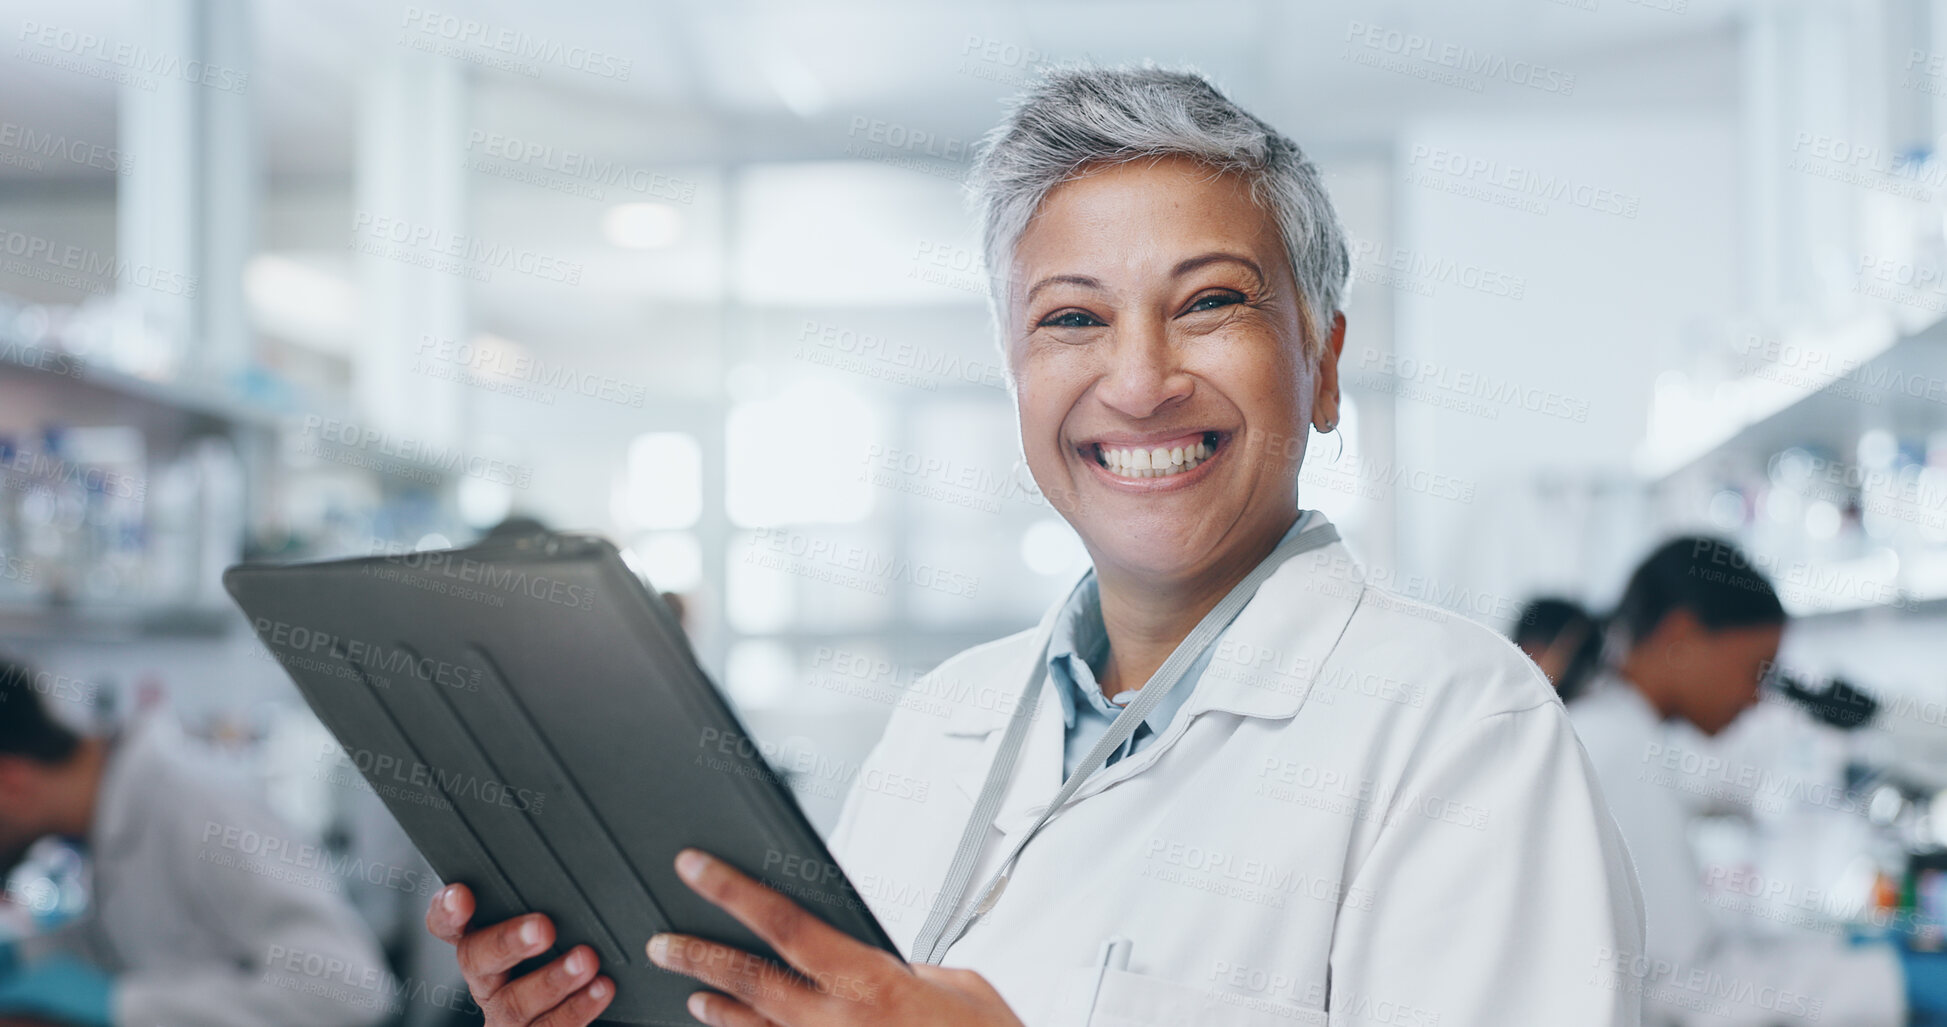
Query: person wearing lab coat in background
point(194, 918)
point(1357, 808)
point(1697, 628)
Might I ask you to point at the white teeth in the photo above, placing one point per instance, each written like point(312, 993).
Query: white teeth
point(1154, 463)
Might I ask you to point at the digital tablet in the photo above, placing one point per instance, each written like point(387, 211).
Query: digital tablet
point(534, 717)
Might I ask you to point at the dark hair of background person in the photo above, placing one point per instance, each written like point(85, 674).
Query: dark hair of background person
point(26, 728)
point(513, 527)
point(1710, 578)
point(1550, 621)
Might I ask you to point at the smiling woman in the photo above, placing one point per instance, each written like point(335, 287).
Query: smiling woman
point(1225, 781)
point(1159, 351)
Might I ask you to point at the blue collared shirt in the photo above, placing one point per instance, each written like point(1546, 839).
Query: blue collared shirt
point(1077, 650)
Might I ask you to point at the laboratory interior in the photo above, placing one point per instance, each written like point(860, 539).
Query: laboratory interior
point(286, 281)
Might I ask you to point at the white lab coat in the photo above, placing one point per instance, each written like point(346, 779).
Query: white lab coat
point(200, 921)
point(1699, 969)
point(1368, 806)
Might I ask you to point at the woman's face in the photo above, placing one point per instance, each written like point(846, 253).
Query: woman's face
point(1155, 334)
point(1718, 671)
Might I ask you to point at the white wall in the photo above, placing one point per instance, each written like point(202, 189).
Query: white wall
point(1552, 301)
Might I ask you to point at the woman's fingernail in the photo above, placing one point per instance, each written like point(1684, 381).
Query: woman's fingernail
point(531, 932)
point(698, 1005)
point(690, 864)
point(659, 949)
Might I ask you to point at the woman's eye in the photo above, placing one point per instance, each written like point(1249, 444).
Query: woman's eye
point(1213, 301)
point(1069, 319)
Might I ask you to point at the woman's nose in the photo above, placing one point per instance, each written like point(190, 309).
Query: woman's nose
point(1144, 375)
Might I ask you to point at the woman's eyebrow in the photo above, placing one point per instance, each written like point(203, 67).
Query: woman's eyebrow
point(1183, 268)
point(1082, 280)
point(1193, 263)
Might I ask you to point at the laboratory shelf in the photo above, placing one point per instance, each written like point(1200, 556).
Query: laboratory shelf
point(1911, 606)
point(1821, 393)
point(28, 621)
point(1901, 388)
point(214, 409)
point(56, 369)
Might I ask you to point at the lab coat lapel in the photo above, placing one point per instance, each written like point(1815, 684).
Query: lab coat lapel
point(1038, 774)
point(997, 700)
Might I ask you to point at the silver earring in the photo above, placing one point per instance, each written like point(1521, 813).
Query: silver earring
point(1331, 428)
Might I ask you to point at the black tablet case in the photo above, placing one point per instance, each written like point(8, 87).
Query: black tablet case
point(535, 719)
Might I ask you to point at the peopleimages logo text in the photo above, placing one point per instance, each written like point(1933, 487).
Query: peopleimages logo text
point(1453, 57)
point(35, 255)
point(288, 640)
point(448, 460)
point(515, 43)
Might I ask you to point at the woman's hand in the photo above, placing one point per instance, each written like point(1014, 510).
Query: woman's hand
point(564, 993)
point(832, 979)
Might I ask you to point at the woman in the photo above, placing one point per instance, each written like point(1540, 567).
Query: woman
point(1353, 802)
point(1697, 628)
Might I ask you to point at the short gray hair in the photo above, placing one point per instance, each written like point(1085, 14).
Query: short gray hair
point(1074, 117)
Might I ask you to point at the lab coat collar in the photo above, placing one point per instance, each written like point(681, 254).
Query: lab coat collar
point(1272, 656)
point(1264, 665)
point(983, 701)
point(1625, 712)
point(1609, 689)
point(1305, 603)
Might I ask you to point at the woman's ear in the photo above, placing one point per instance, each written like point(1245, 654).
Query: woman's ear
point(1325, 390)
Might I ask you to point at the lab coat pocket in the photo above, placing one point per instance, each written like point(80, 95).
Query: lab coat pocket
point(1127, 999)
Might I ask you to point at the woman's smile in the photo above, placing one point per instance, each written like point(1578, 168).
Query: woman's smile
point(1150, 463)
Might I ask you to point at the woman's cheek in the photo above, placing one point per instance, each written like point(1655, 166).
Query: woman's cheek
point(1040, 416)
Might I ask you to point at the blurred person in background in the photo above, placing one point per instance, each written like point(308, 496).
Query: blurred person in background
point(191, 922)
point(515, 527)
point(1564, 640)
point(1697, 629)
point(1173, 342)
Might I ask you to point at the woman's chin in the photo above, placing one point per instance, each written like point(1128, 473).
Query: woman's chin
point(1163, 550)
point(1173, 540)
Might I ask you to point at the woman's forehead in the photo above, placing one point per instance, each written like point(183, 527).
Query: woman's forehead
point(1146, 215)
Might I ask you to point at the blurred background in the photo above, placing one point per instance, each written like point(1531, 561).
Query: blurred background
point(286, 280)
